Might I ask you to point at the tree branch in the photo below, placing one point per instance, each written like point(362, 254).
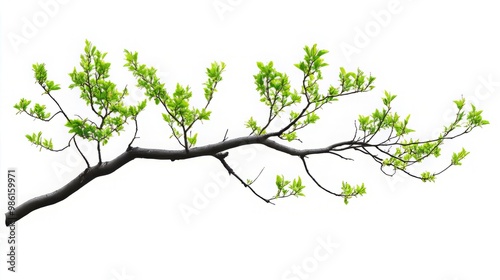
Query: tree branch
point(314, 179)
point(106, 168)
point(219, 150)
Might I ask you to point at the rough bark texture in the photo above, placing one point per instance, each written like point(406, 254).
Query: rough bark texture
point(109, 167)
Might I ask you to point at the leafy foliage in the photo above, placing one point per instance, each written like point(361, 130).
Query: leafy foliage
point(102, 96)
point(274, 89)
point(349, 192)
point(179, 116)
point(39, 141)
point(411, 151)
point(286, 189)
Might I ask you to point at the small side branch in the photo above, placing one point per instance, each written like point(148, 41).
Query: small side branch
point(314, 179)
point(135, 135)
point(79, 151)
point(221, 157)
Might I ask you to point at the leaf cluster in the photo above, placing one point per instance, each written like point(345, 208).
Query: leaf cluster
point(37, 140)
point(103, 98)
point(301, 105)
point(179, 116)
point(349, 191)
point(409, 151)
point(288, 188)
point(38, 111)
point(100, 95)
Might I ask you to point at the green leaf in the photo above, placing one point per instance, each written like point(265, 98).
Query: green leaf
point(346, 200)
point(346, 189)
point(427, 177)
point(252, 124)
point(297, 186)
point(388, 98)
point(204, 114)
point(361, 190)
point(290, 136)
point(22, 106)
point(456, 158)
point(311, 118)
point(333, 91)
point(460, 103)
point(52, 86)
point(302, 66)
point(40, 72)
point(192, 140)
point(279, 181)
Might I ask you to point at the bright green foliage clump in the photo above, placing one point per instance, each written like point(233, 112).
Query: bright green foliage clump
point(102, 96)
point(274, 89)
point(99, 94)
point(411, 151)
point(36, 138)
point(179, 117)
point(348, 191)
point(287, 189)
point(38, 111)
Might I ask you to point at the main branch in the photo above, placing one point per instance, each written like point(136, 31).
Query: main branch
point(109, 167)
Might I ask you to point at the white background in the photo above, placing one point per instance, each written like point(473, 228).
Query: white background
point(129, 225)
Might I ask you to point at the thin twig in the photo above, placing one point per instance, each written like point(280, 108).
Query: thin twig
point(221, 157)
